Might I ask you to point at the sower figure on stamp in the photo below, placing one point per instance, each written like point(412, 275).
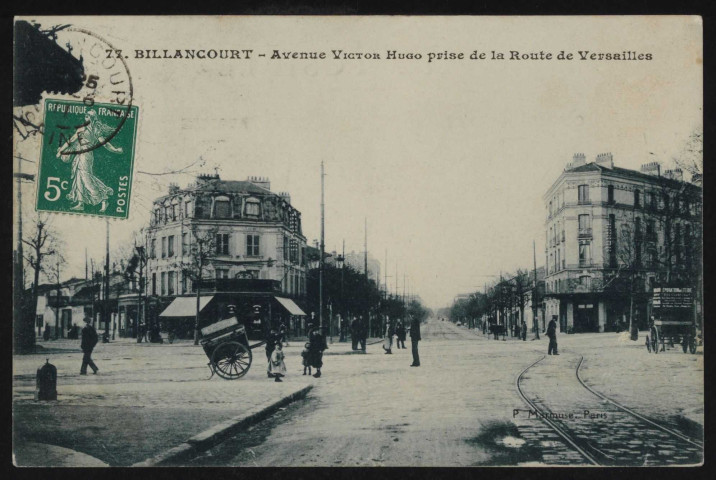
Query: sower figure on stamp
point(86, 187)
point(89, 340)
point(552, 334)
point(414, 339)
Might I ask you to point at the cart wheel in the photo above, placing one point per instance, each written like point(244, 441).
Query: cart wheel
point(648, 343)
point(231, 360)
point(655, 340)
point(692, 344)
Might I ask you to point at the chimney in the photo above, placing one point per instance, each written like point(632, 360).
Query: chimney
point(652, 168)
point(262, 182)
point(286, 196)
point(578, 160)
point(605, 160)
point(676, 174)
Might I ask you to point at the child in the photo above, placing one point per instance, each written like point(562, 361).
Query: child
point(277, 367)
point(305, 354)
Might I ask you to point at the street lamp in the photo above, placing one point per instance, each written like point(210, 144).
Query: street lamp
point(340, 262)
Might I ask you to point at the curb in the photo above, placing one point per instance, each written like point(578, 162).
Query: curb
point(216, 434)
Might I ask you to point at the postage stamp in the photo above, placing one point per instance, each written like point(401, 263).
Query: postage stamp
point(87, 158)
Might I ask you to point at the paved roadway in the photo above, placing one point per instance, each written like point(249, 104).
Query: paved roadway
point(454, 410)
point(375, 409)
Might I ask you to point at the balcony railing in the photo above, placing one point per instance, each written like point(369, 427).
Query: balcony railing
point(238, 285)
point(585, 233)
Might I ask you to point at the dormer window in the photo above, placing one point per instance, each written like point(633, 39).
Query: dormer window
point(222, 207)
point(252, 208)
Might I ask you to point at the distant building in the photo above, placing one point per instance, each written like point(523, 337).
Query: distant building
point(257, 258)
point(357, 261)
point(605, 223)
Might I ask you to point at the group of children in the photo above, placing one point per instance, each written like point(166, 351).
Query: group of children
point(311, 354)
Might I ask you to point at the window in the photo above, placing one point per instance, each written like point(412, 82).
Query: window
point(157, 215)
point(222, 243)
point(612, 241)
point(253, 207)
point(585, 254)
point(170, 283)
point(154, 283)
point(164, 283)
point(170, 246)
point(222, 273)
point(184, 244)
point(187, 209)
point(285, 247)
point(174, 212)
point(665, 198)
point(585, 281)
point(585, 225)
point(164, 247)
point(637, 199)
point(153, 248)
point(610, 194)
point(252, 245)
point(184, 283)
point(222, 208)
point(583, 194)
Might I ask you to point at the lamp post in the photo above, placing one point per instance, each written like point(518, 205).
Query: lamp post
point(340, 260)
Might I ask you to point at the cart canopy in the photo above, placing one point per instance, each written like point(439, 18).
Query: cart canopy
point(185, 306)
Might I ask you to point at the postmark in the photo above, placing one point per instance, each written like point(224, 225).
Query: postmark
point(86, 164)
point(57, 53)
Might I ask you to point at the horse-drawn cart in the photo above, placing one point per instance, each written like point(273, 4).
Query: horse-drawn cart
point(671, 320)
point(227, 347)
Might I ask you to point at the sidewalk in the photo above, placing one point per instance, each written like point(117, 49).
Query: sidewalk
point(145, 400)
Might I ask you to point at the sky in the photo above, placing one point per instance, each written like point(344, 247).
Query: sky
point(447, 161)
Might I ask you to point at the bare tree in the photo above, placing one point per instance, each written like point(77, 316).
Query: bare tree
point(43, 244)
point(201, 252)
point(522, 286)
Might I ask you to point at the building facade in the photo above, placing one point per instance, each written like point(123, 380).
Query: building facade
point(245, 236)
point(612, 234)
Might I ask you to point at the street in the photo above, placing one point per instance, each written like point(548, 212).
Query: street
point(461, 407)
point(457, 408)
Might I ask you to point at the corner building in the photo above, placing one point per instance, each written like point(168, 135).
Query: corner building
point(589, 207)
point(257, 260)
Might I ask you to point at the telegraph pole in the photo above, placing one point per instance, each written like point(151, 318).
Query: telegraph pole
point(534, 292)
point(365, 247)
point(106, 286)
point(320, 271)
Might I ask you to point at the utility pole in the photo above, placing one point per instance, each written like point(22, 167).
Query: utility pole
point(365, 249)
point(19, 289)
point(386, 272)
point(320, 271)
point(57, 305)
point(106, 286)
point(140, 253)
point(535, 292)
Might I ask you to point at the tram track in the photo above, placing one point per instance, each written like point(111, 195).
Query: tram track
point(619, 436)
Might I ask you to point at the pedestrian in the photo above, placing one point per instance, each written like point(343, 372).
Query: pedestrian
point(388, 338)
point(552, 334)
point(306, 356)
point(272, 340)
point(46, 333)
point(524, 331)
point(362, 332)
point(414, 339)
point(516, 331)
point(282, 331)
point(89, 340)
point(355, 333)
point(316, 346)
point(277, 367)
point(400, 332)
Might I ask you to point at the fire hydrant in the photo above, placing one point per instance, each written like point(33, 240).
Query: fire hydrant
point(46, 382)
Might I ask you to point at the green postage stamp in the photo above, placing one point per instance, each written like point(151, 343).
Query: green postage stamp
point(87, 158)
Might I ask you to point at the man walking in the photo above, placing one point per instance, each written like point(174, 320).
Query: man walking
point(552, 334)
point(89, 340)
point(363, 332)
point(400, 332)
point(316, 346)
point(414, 339)
point(355, 333)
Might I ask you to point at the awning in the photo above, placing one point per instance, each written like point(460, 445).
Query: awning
point(290, 306)
point(185, 306)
